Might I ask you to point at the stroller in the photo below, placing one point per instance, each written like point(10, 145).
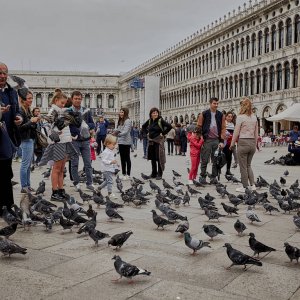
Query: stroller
point(220, 161)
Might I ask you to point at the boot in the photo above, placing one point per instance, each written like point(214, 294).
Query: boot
point(56, 196)
point(63, 194)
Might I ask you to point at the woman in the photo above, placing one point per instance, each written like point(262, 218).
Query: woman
point(229, 133)
point(157, 128)
point(170, 140)
point(246, 132)
point(124, 141)
point(183, 140)
point(27, 133)
point(38, 149)
point(177, 141)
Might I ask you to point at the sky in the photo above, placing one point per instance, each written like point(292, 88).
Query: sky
point(103, 36)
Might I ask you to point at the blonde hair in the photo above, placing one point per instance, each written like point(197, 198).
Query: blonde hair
point(58, 95)
point(246, 107)
point(110, 139)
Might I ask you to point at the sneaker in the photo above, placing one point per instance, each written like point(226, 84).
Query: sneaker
point(240, 190)
point(91, 187)
point(190, 182)
point(56, 196)
point(25, 190)
point(123, 177)
point(234, 165)
point(31, 189)
point(252, 188)
point(77, 187)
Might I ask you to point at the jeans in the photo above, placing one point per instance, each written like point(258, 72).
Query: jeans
point(108, 181)
point(27, 154)
point(135, 140)
point(208, 149)
point(170, 146)
point(125, 159)
point(145, 146)
point(82, 147)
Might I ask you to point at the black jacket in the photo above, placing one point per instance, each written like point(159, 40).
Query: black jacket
point(154, 129)
point(27, 129)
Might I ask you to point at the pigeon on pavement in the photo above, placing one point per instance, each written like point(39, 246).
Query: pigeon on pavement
point(9, 230)
point(257, 246)
point(183, 227)
point(119, 239)
point(229, 209)
point(292, 252)
point(194, 244)
point(212, 231)
point(239, 227)
point(159, 221)
point(97, 235)
point(8, 247)
point(251, 215)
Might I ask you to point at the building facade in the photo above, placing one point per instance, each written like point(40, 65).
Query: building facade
point(253, 52)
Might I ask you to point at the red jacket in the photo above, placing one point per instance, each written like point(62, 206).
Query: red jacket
point(93, 147)
point(195, 144)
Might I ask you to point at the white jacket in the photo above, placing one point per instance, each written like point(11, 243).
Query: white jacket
point(107, 156)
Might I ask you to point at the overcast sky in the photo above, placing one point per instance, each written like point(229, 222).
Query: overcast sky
point(105, 36)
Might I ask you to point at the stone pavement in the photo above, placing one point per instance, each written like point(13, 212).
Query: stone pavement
point(65, 266)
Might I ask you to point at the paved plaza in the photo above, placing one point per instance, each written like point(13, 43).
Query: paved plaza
point(68, 266)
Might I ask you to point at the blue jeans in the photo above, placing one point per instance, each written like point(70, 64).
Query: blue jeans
point(108, 181)
point(82, 147)
point(27, 153)
point(145, 146)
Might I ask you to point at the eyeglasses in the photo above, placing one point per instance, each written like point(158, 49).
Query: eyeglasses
point(3, 73)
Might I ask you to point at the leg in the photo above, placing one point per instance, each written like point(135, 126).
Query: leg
point(27, 152)
point(172, 146)
point(103, 137)
point(205, 153)
point(104, 183)
point(6, 175)
point(193, 171)
point(61, 175)
point(249, 160)
point(86, 157)
point(70, 171)
point(127, 159)
point(98, 141)
point(242, 153)
point(154, 168)
point(109, 180)
point(122, 156)
point(55, 173)
point(169, 146)
point(213, 148)
point(75, 163)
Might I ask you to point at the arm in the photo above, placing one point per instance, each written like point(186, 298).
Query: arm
point(166, 126)
point(90, 121)
point(223, 130)
point(106, 123)
point(256, 132)
point(145, 126)
point(126, 129)
point(237, 130)
point(106, 158)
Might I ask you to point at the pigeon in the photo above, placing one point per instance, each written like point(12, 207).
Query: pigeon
point(135, 155)
point(176, 174)
point(90, 212)
point(239, 258)
point(212, 214)
point(88, 225)
point(174, 216)
point(209, 197)
point(269, 208)
point(76, 217)
point(295, 185)
point(257, 246)
point(229, 209)
point(97, 235)
point(296, 221)
point(212, 230)
point(8, 247)
point(112, 214)
point(292, 252)
point(119, 239)
point(269, 161)
point(98, 199)
point(47, 173)
point(282, 181)
point(176, 182)
point(138, 181)
point(178, 190)
point(9, 230)
point(153, 186)
point(127, 270)
point(177, 201)
point(66, 224)
point(112, 204)
point(235, 200)
point(286, 173)
point(13, 183)
point(183, 227)
point(48, 222)
point(84, 196)
point(192, 191)
point(239, 227)
point(145, 177)
point(186, 198)
point(41, 188)
point(159, 221)
point(9, 216)
point(251, 215)
point(166, 185)
point(197, 183)
point(194, 244)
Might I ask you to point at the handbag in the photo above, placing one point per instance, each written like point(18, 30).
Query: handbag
point(7, 148)
point(41, 139)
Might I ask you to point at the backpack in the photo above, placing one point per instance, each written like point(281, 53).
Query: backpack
point(159, 124)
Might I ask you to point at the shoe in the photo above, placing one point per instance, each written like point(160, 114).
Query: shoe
point(158, 177)
point(31, 189)
point(190, 182)
point(91, 187)
point(25, 190)
point(123, 177)
point(63, 194)
point(240, 190)
point(112, 195)
point(234, 165)
point(77, 187)
point(252, 188)
point(56, 196)
point(229, 173)
point(128, 177)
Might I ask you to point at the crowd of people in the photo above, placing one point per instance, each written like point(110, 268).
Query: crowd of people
point(69, 132)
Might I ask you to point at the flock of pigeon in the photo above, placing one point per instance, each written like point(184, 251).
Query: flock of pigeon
point(168, 198)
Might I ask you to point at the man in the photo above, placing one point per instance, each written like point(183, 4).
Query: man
point(134, 136)
point(294, 134)
point(101, 132)
point(295, 149)
point(81, 142)
point(212, 122)
point(9, 114)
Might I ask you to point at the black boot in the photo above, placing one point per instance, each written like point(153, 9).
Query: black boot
point(56, 196)
point(63, 194)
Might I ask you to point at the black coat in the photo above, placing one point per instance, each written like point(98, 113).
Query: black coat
point(27, 129)
point(154, 130)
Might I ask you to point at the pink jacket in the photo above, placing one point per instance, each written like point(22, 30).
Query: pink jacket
point(195, 144)
point(92, 146)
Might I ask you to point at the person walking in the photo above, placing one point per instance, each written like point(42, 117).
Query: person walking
point(93, 145)
point(101, 132)
point(246, 132)
point(170, 140)
point(27, 132)
point(81, 141)
point(196, 142)
point(183, 140)
point(212, 122)
point(135, 136)
point(227, 143)
point(124, 141)
point(157, 129)
point(177, 139)
point(144, 138)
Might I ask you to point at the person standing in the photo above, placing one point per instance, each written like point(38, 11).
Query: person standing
point(93, 145)
point(124, 141)
point(170, 140)
point(157, 129)
point(101, 132)
point(183, 140)
point(144, 138)
point(135, 136)
point(9, 117)
point(246, 132)
point(38, 149)
point(177, 139)
point(294, 134)
point(27, 133)
point(212, 122)
point(229, 133)
point(81, 142)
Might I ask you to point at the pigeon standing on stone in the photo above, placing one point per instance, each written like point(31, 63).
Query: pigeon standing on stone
point(166, 185)
point(8, 230)
point(269, 208)
point(282, 181)
point(229, 209)
point(47, 173)
point(292, 252)
point(186, 198)
point(66, 224)
point(97, 235)
point(286, 173)
point(159, 221)
point(251, 215)
point(41, 188)
point(8, 247)
point(239, 258)
point(176, 174)
point(9, 217)
point(212, 231)
point(112, 214)
point(119, 239)
point(194, 244)
point(239, 227)
point(257, 246)
point(212, 214)
point(183, 227)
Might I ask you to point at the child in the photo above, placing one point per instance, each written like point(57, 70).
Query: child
point(196, 142)
point(93, 145)
point(109, 164)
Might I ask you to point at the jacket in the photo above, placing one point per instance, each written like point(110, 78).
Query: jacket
point(102, 128)
point(171, 134)
point(195, 144)
point(154, 130)
point(204, 121)
point(27, 129)
point(124, 137)
point(107, 156)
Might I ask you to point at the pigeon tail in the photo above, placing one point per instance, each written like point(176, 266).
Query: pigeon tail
point(143, 272)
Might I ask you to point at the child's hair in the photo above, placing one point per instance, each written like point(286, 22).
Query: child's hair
point(198, 131)
point(110, 139)
point(58, 95)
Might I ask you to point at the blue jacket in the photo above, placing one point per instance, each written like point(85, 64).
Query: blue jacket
point(87, 118)
point(294, 135)
point(101, 128)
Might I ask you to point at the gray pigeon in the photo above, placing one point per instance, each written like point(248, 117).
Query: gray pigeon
point(119, 239)
point(97, 235)
point(112, 214)
point(292, 252)
point(269, 208)
point(9, 230)
point(212, 214)
point(296, 221)
point(229, 209)
point(239, 227)
point(8, 247)
point(212, 230)
point(41, 188)
point(9, 216)
point(183, 227)
point(251, 215)
point(159, 221)
point(194, 244)
point(239, 258)
point(257, 246)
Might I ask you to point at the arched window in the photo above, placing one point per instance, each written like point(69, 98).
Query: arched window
point(99, 101)
point(230, 87)
point(50, 96)
point(203, 64)
point(247, 47)
point(237, 51)
point(223, 57)
point(241, 85)
point(273, 38)
point(246, 84)
point(279, 77)
point(210, 62)
point(207, 63)
point(295, 73)
point(215, 60)
point(253, 44)
point(199, 66)
point(242, 49)
point(267, 40)
point(260, 43)
point(287, 75)
point(226, 88)
point(222, 89)
point(272, 78)
point(297, 29)
point(289, 34)
point(252, 82)
point(232, 54)
point(218, 89)
point(38, 99)
point(111, 101)
point(219, 58)
point(87, 100)
point(227, 55)
point(258, 81)
point(265, 80)
point(280, 34)
point(236, 86)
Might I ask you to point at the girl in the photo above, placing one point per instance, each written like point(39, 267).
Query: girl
point(93, 145)
point(229, 132)
point(196, 142)
point(124, 141)
point(27, 134)
point(60, 145)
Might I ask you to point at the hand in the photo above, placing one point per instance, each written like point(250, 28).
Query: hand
point(18, 120)
point(34, 119)
point(113, 162)
point(221, 145)
point(5, 109)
